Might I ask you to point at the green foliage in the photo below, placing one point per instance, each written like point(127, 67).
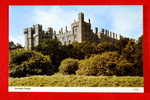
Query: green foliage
point(101, 58)
point(86, 49)
point(68, 66)
point(19, 55)
point(125, 68)
point(24, 63)
point(13, 46)
point(129, 51)
point(72, 52)
point(121, 44)
point(105, 46)
point(104, 64)
point(139, 57)
point(58, 80)
point(53, 49)
point(85, 68)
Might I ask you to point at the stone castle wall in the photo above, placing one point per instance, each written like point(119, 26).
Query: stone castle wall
point(80, 31)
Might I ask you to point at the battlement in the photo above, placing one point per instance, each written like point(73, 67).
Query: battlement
point(80, 31)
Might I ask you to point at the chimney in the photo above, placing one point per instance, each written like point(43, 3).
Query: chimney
point(66, 29)
point(89, 21)
point(96, 30)
point(81, 16)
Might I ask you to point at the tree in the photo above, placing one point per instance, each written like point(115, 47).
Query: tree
point(68, 66)
point(125, 68)
point(102, 64)
point(129, 51)
point(24, 63)
point(139, 56)
point(13, 46)
point(121, 44)
point(88, 48)
point(105, 46)
point(85, 49)
point(52, 48)
point(72, 52)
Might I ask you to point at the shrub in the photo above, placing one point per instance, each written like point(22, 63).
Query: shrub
point(68, 66)
point(124, 68)
point(105, 47)
point(24, 63)
point(18, 56)
point(52, 48)
point(85, 68)
point(104, 64)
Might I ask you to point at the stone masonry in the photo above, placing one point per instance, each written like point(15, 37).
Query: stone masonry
point(80, 31)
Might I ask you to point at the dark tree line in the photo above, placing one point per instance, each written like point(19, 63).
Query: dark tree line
point(116, 57)
point(129, 49)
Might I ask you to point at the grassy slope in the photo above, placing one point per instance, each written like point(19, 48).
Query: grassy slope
point(78, 81)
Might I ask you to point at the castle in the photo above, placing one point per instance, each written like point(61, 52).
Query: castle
point(80, 31)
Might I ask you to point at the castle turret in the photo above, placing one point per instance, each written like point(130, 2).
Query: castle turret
point(81, 17)
point(111, 34)
point(79, 30)
point(89, 21)
point(30, 37)
point(26, 38)
point(66, 29)
point(37, 28)
point(96, 30)
point(116, 36)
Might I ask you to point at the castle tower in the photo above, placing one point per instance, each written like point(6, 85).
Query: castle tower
point(78, 29)
point(116, 36)
point(29, 37)
point(113, 35)
point(37, 34)
point(26, 38)
point(96, 30)
point(66, 30)
point(81, 17)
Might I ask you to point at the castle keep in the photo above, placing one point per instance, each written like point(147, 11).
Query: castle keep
point(80, 31)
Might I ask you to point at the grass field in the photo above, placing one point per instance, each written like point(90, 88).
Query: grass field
point(78, 81)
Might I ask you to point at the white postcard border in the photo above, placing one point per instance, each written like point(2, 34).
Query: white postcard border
point(78, 89)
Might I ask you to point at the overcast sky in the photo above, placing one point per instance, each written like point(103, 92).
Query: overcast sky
point(125, 20)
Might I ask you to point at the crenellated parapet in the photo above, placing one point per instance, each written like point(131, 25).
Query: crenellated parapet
point(80, 31)
point(104, 32)
point(34, 35)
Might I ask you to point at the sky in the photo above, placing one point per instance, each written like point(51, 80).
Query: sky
point(124, 19)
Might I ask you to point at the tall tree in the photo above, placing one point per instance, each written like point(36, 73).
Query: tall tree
point(129, 51)
point(139, 56)
point(121, 44)
point(51, 47)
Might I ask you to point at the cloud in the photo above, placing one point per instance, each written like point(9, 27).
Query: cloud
point(17, 39)
point(55, 17)
point(127, 21)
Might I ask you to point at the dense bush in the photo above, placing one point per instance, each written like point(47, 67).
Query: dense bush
point(24, 63)
point(105, 46)
point(53, 49)
point(85, 68)
point(68, 66)
point(125, 68)
point(104, 64)
point(129, 51)
point(96, 58)
point(139, 57)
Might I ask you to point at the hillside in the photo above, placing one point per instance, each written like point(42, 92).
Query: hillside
point(59, 80)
